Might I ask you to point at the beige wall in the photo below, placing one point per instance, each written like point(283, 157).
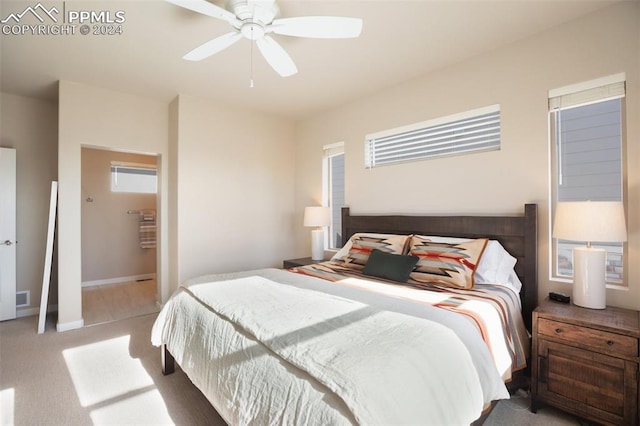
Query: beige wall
point(173, 197)
point(225, 187)
point(518, 78)
point(30, 126)
point(110, 241)
point(234, 183)
point(94, 117)
point(235, 188)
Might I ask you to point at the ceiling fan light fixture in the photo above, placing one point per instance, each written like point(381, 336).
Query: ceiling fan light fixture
point(258, 11)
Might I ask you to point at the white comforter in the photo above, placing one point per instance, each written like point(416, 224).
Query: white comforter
point(268, 352)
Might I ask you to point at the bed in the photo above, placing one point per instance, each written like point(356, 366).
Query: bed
point(341, 342)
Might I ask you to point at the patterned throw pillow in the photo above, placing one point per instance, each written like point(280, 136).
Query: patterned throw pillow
point(363, 244)
point(448, 264)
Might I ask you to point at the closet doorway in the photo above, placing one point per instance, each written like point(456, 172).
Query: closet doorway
point(119, 218)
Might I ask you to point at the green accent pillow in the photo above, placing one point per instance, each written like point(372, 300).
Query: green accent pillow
point(394, 267)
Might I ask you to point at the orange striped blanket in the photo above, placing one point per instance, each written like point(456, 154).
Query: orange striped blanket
point(495, 310)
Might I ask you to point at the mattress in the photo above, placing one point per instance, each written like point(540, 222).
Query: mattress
point(275, 346)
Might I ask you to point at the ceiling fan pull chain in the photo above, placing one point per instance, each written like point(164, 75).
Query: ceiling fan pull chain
point(251, 61)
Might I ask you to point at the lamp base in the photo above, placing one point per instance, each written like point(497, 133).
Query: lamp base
point(589, 286)
point(317, 244)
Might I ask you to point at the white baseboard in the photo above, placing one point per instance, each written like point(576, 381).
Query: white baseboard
point(66, 326)
point(119, 280)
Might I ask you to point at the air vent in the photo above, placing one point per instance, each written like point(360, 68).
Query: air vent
point(22, 298)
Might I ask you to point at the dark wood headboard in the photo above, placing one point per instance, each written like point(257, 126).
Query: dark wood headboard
point(517, 234)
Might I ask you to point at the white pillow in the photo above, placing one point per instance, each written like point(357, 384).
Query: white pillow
point(446, 240)
point(514, 282)
point(496, 265)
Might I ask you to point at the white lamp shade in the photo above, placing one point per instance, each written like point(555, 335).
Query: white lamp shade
point(317, 216)
point(601, 221)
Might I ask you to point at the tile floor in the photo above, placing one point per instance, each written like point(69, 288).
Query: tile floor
point(112, 302)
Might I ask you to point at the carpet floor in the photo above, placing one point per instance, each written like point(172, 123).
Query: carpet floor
point(109, 374)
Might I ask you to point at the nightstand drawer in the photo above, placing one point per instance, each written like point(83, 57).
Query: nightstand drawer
point(603, 341)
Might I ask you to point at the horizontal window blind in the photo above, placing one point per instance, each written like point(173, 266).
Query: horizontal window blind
point(597, 90)
point(133, 170)
point(598, 94)
point(133, 177)
point(333, 149)
point(474, 131)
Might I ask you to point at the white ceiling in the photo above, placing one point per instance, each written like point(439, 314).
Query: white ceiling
point(400, 40)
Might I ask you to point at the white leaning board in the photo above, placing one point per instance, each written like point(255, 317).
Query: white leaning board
point(46, 275)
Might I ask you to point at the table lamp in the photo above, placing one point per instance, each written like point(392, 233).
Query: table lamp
point(601, 221)
point(317, 217)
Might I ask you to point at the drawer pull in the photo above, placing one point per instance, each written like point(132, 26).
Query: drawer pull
point(610, 342)
point(558, 330)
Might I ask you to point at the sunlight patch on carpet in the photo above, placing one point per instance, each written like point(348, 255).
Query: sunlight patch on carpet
point(7, 404)
point(112, 383)
point(105, 370)
point(144, 408)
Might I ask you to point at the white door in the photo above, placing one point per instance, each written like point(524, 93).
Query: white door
point(7, 233)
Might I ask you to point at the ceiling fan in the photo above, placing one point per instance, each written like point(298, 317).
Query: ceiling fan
point(255, 20)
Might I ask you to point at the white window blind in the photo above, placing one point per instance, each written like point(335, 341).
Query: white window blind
point(598, 90)
point(133, 177)
point(472, 131)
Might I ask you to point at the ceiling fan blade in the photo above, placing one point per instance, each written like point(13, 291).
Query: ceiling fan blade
point(206, 8)
point(213, 46)
point(276, 56)
point(317, 27)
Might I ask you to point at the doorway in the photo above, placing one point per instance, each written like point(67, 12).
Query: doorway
point(118, 229)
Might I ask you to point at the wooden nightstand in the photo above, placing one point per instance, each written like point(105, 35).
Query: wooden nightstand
point(292, 263)
point(585, 361)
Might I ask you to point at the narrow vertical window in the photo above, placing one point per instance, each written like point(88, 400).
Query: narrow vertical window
point(587, 145)
point(333, 188)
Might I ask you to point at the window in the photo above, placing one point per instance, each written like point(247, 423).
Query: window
point(333, 171)
point(471, 131)
point(133, 177)
point(586, 133)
